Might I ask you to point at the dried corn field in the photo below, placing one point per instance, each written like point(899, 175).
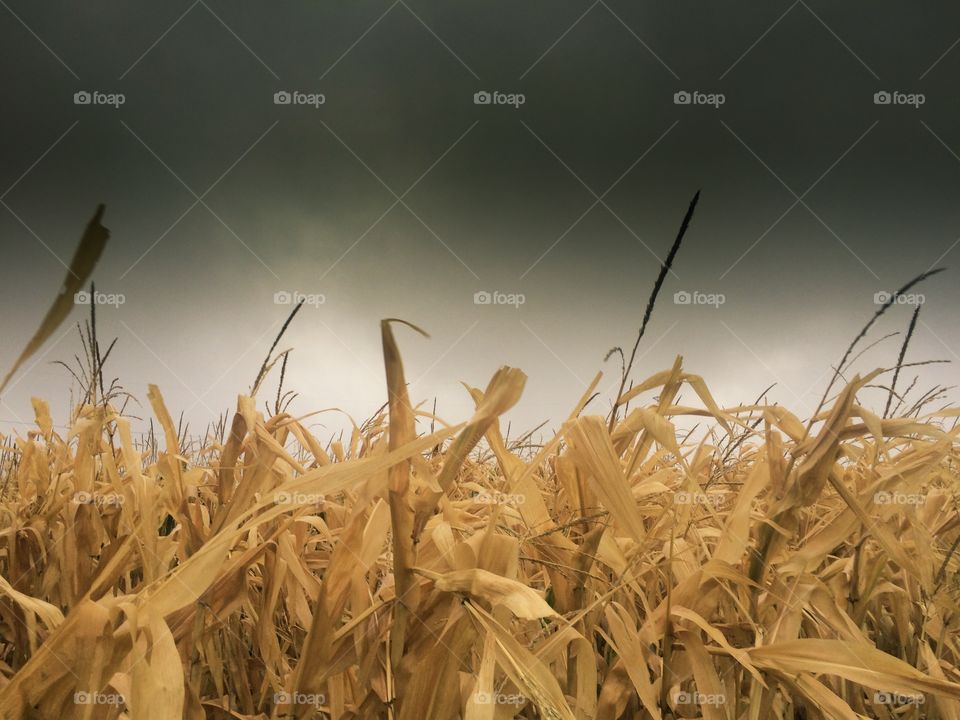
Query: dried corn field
point(759, 573)
point(766, 567)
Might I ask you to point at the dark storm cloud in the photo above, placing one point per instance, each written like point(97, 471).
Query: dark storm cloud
point(399, 196)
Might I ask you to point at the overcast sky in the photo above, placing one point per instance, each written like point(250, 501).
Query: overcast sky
point(402, 196)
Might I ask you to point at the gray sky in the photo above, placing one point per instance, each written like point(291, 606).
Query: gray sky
point(399, 196)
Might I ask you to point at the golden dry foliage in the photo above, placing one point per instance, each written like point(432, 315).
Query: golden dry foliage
point(84, 260)
point(762, 572)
